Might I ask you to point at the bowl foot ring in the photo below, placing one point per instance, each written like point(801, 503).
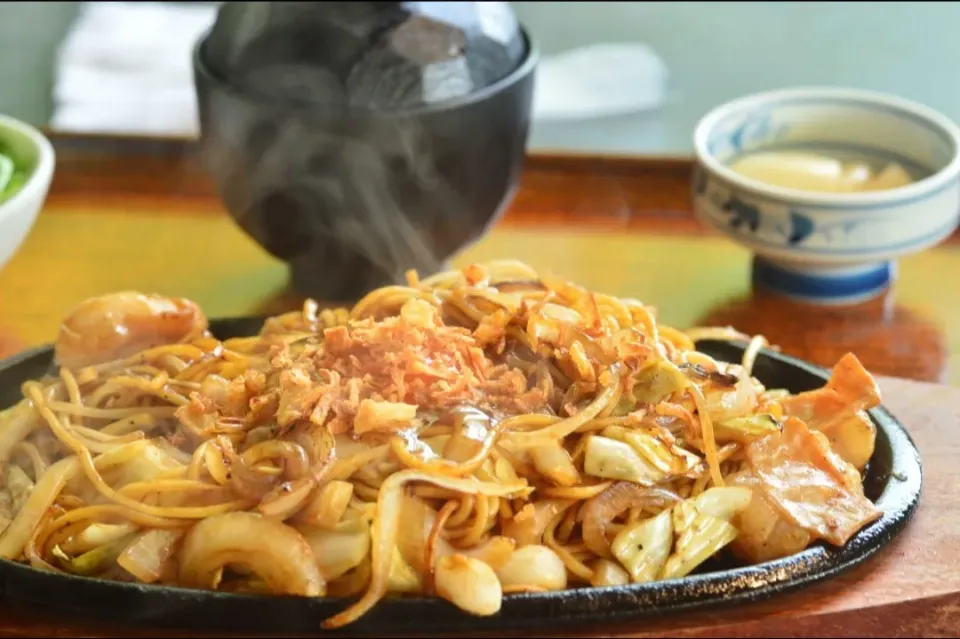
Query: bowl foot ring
point(850, 285)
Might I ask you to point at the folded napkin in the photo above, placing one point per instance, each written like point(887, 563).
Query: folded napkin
point(600, 80)
point(124, 67)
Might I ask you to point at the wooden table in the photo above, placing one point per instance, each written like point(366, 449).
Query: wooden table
point(128, 214)
point(138, 214)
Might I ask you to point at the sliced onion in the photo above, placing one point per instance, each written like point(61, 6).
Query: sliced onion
point(275, 552)
point(287, 499)
point(418, 518)
point(563, 428)
point(20, 530)
point(407, 447)
point(244, 479)
point(608, 573)
point(150, 556)
point(328, 504)
point(17, 422)
point(494, 552)
point(338, 552)
point(385, 528)
point(535, 567)
point(600, 511)
point(413, 537)
point(96, 535)
point(528, 525)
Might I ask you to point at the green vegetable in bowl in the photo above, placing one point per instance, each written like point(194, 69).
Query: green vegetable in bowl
point(12, 179)
point(7, 169)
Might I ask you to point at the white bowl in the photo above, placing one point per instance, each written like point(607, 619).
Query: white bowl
point(828, 248)
point(30, 148)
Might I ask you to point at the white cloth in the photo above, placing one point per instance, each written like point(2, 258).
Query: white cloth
point(125, 67)
point(600, 80)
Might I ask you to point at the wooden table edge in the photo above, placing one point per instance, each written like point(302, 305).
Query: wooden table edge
point(563, 189)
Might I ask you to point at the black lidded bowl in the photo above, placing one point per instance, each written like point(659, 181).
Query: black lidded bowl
point(347, 189)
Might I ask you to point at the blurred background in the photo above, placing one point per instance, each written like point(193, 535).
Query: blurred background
point(685, 58)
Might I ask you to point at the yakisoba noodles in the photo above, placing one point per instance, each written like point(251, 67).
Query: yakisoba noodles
point(529, 434)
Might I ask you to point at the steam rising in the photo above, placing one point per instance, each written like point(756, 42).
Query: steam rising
point(307, 189)
point(316, 150)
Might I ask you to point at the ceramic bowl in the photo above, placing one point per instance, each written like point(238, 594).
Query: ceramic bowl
point(828, 248)
point(31, 150)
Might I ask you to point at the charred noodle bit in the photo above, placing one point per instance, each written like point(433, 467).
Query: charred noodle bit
point(472, 434)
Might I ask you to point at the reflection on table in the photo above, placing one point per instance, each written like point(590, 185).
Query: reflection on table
point(890, 338)
point(78, 250)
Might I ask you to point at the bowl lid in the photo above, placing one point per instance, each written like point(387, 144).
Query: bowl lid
point(370, 55)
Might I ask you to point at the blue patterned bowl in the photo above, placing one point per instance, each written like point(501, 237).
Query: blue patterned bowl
point(828, 248)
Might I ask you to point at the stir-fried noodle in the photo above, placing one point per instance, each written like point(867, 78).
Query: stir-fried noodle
point(529, 434)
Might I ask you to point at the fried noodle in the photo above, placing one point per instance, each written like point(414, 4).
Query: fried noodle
point(476, 433)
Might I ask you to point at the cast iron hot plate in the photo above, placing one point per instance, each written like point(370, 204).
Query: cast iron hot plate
point(893, 482)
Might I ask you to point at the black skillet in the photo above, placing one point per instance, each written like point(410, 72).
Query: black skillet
point(893, 481)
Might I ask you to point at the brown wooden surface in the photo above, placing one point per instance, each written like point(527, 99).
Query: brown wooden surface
point(138, 214)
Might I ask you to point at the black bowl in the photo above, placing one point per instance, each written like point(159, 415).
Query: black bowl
point(351, 198)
